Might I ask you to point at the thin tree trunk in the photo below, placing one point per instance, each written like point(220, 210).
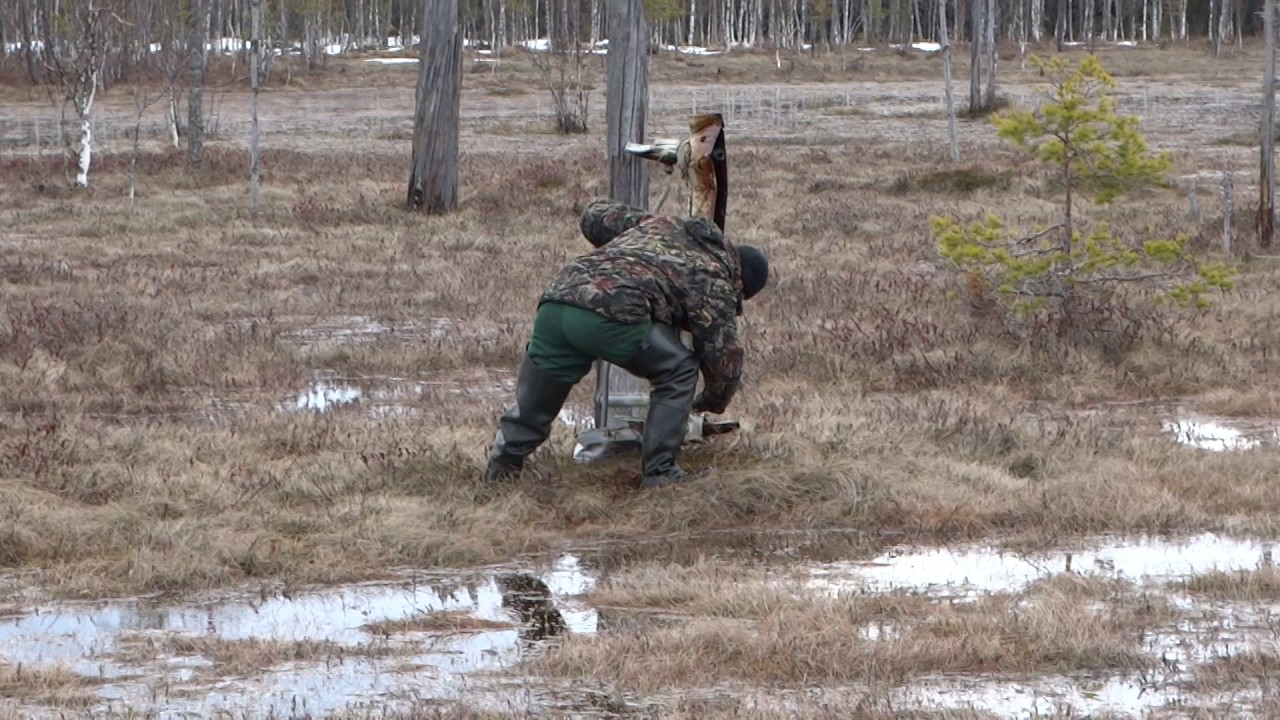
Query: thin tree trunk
point(1228, 209)
point(1060, 26)
point(989, 102)
point(195, 69)
point(975, 54)
point(946, 79)
point(84, 108)
point(28, 44)
point(1267, 185)
point(433, 183)
point(255, 149)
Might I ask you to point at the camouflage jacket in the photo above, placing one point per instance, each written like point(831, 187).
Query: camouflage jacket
point(677, 271)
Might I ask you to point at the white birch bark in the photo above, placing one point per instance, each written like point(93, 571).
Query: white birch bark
point(84, 109)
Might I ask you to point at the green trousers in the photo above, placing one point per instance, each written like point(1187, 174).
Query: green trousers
point(567, 340)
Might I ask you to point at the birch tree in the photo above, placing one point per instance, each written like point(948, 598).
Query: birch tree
point(433, 181)
point(78, 69)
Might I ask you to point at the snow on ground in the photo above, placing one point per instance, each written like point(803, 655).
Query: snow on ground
point(922, 46)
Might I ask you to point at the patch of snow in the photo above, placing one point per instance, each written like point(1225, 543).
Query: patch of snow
point(690, 50)
point(392, 61)
point(17, 47)
point(1127, 43)
point(866, 49)
point(324, 396)
point(332, 49)
point(539, 45)
point(929, 47)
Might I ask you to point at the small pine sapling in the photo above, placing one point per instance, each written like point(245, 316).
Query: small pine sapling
point(1097, 152)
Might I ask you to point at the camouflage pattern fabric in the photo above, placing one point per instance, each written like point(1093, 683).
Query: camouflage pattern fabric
point(653, 268)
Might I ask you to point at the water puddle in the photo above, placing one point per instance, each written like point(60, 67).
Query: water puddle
point(975, 570)
point(506, 611)
point(1043, 697)
point(441, 637)
point(380, 396)
point(358, 329)
point(1222, 434)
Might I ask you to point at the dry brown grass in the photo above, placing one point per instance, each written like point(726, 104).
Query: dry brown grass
point(54, 686)
point(248, 656)
point(144, 348)
point(445, 622)
point(744, 626)
point(1252, 668)
point(1262, 583)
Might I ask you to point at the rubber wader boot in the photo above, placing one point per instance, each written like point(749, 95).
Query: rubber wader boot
point(527, 424)
point(672, 371)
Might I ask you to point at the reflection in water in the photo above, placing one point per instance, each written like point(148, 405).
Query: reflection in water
point(94, 639)
point(1222, 434)
point(971, 570)
point(531, 599)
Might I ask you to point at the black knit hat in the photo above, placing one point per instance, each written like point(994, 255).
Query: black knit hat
point(755, 270)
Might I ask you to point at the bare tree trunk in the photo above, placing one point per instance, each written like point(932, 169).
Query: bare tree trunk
point(84, 109)
point(1060, 25)
point(1215, 25)
point(141, 102)
point(255, 149)
point(1267, 185)
point(1037, 20)
point(946, 79)
point(199, 30)
point(433, 183)
point(1228, 209)
point(989, 102)
point(27, 17)
point(975, 55)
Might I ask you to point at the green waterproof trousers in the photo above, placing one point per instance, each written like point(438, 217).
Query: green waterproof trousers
point(567, 340)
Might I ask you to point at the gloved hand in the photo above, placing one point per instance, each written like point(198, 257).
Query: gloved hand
point(703, 404)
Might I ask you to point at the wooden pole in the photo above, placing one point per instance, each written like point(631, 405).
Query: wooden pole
point(626, 107)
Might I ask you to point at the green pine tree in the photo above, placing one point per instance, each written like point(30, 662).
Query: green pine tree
point(1096, 152)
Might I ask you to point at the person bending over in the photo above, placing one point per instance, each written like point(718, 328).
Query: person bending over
point(625, 302)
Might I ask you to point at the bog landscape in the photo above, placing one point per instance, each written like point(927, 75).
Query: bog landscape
point(241, 455)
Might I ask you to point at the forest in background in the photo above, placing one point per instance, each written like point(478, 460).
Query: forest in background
point(148, 35)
